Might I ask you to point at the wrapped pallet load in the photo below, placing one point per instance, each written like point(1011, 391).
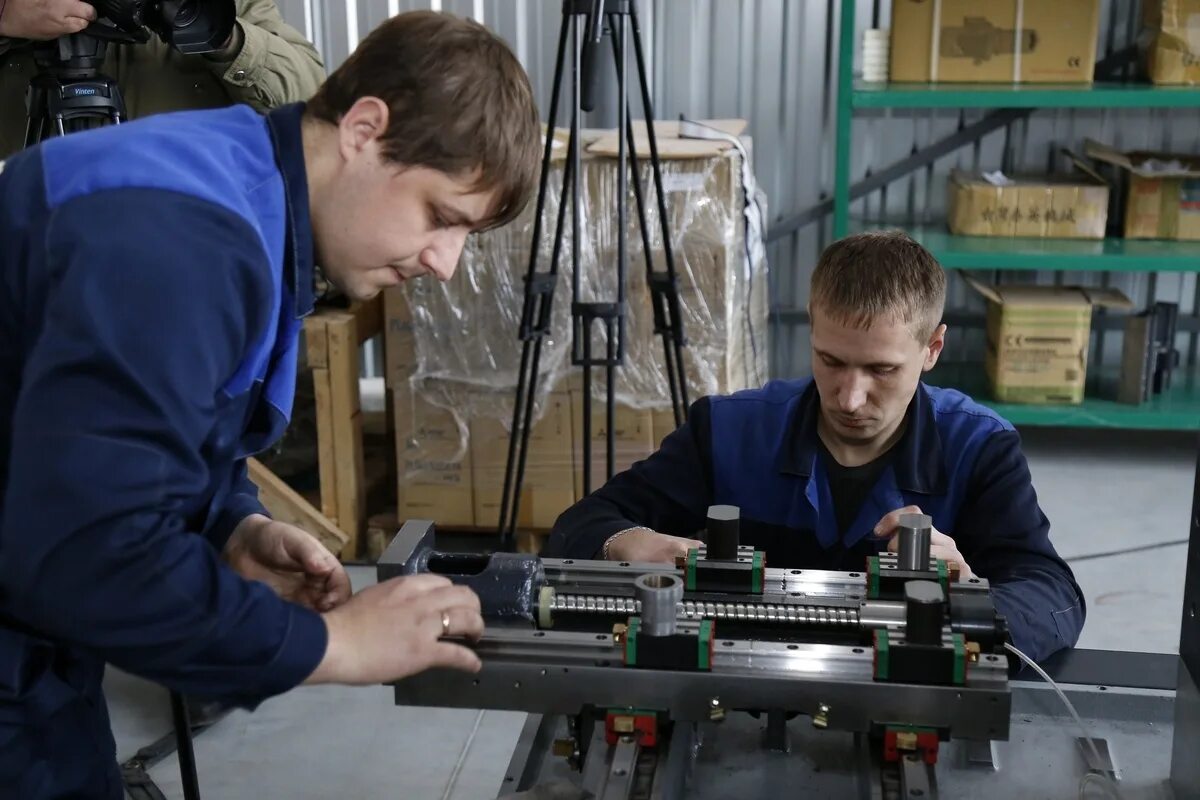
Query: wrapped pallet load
point(455, 345)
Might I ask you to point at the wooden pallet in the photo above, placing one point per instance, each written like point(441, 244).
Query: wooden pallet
point(333, 338)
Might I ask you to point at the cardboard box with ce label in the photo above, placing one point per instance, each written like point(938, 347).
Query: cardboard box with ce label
point(980, 41)
point(1037, 339)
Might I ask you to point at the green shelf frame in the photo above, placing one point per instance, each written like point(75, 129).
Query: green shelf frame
point(1022, 95)
point(1178, 408)
point(1018, 253)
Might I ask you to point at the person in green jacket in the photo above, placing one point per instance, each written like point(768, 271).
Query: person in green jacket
point(265, 63)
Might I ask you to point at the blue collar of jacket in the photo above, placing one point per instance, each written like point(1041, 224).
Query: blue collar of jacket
point(918, 455)
point(284, 124)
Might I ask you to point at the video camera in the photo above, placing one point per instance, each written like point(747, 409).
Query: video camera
point(189, 26)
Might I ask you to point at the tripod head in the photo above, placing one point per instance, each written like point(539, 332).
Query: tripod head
point(68, 93)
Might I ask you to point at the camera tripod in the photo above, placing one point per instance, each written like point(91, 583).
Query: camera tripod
point(594, 19)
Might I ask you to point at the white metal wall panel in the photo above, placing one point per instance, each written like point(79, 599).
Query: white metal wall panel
point(773, 62)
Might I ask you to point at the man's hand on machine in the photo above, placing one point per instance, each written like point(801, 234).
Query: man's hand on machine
point(940, 545)
point(394, 629)
point(643, 544)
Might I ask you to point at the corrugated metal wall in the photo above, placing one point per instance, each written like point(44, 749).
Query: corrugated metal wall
point(773, 62)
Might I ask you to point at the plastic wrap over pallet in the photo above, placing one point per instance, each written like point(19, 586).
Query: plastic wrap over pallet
point(465, 351)
point(465, 330)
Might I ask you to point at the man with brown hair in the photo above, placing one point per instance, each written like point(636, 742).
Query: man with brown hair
point(822, 468)
point(154, 279)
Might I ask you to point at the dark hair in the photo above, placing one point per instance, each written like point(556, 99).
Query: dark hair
point(458, 101)
point(880, 275)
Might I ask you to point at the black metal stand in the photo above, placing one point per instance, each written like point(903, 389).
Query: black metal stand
point(187, 757)
point(618, 16)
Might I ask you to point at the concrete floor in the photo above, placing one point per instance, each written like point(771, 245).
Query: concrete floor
point(1103, 491)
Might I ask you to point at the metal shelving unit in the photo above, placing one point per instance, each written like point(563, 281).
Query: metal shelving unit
point(1179, 408)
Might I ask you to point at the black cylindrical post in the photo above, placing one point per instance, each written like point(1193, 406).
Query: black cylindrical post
point(924, 613)
point(724, 533)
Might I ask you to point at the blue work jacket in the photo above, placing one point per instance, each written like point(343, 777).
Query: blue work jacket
point(758, 450)
point(152, 277)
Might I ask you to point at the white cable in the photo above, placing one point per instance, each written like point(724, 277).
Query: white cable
point(754, 229)
point(1109, 785)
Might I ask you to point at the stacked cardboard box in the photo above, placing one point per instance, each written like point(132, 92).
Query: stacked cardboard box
point(1163, 201)
point(1039, 206)
point(1038, 337)
point(1170, 41)
point(724, 311)
point(453, 351)
point(549, 485)
point(432, 461)
point(969, 41)
point(633, 439)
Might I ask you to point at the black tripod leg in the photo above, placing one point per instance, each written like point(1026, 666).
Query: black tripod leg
point(586, 402)
point(506, 528)
point(545, 305)
point(615, 329)
point(611, 329)
point(661, 324)
point(581, 325)
point(676, 318)
point(187, 758)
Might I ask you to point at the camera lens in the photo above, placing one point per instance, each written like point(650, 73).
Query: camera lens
point(186, 14)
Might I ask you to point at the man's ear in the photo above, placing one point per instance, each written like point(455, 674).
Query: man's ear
point(937, 340)
point(361, 125)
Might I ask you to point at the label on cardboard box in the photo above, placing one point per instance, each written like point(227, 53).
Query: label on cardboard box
point(683, 182)
point(548, 488)
point(633, 439)
point(433, 466)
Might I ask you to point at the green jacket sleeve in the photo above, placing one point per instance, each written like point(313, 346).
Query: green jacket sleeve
point(276, 65)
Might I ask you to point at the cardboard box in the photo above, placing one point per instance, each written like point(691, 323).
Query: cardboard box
point(633, 439)
point(549, 485)
point(1163, 201)
point(1038, 337)
point(991, 204)
point(663, 421)
point(1170, 41)
point(433, 463)
point(399, 338)
point(724, 315)
point(994, 41)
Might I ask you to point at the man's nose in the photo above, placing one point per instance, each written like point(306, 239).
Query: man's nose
point(853, 392)
point(442, 259)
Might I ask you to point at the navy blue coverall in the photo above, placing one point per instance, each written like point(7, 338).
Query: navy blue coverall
point(957, 460)
point(152, 277)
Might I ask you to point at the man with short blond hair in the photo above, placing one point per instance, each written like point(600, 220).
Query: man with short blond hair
point(822, 468)
point(155, 275)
